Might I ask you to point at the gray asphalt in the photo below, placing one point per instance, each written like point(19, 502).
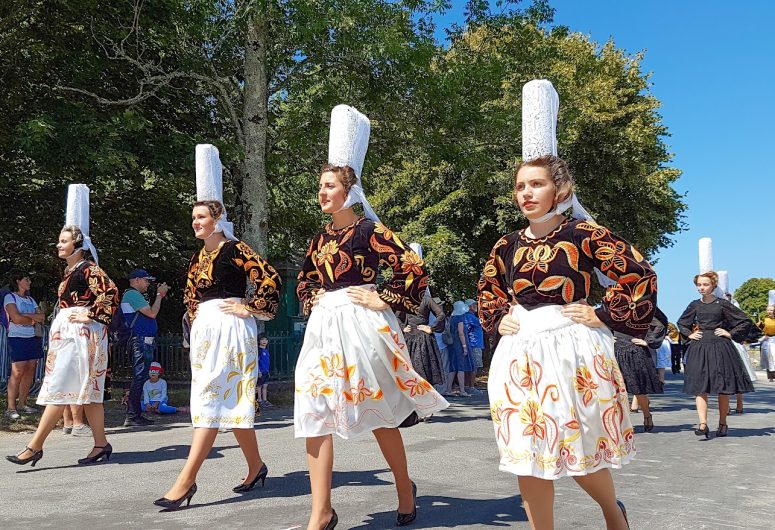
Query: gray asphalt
point(678, 481)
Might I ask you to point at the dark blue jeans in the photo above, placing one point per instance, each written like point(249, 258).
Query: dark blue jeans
point(142, 356)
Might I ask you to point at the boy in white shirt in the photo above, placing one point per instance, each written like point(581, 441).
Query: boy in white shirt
point(155, 392)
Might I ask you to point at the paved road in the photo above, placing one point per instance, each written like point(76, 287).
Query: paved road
point(677, 481)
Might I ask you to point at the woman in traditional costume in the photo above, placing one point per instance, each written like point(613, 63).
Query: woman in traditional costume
point(419, 335)
point(354, 374)
point(557, 397)
point(78, 341)
point(639, 371)
point(224, 336)
point(713, 365)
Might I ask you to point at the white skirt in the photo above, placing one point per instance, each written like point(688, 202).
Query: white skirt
point(76, 363)
point(768, 354)
point(224, 368)
point(557, 398)
point(743, 351)
point(354, 374)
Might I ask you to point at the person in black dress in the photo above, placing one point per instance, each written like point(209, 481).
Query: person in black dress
point(421, 341)
point(637, 366)
point(713, 366)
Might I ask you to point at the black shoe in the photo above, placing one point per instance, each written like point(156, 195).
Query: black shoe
point(107, 450)
point(169, 504)
point(705, 431)
point(331, 524)
point(36, 455)
point(243, 488)
point(404, 519)
point(739, 411)
point(137, 421)
point(624, 511)
point(648, 423)
point(722, 430)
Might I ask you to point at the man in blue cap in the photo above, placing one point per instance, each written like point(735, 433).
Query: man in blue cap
point(140, 317)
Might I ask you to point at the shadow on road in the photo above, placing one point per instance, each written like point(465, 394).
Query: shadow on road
point(453, 512)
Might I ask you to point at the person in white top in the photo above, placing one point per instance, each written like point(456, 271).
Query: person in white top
point(155, 392)
point(25, 346)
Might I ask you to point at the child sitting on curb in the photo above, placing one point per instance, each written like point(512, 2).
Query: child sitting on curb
point(155, 393)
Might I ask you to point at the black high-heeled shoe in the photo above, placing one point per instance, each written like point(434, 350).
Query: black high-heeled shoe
point(739, 411)
point(705, 431)
point(170, 504)
point(404, 519)
point(331, 524)
point(105, 453)
point(243, 488)
point(722, 430)
point(620, 504)
point(648, 423)
point(36, 455)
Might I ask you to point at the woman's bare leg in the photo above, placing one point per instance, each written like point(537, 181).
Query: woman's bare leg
point(702, 407)
point(95, 413)
point(392, 446)
point(48, 421)
point(538, 498)
point(14, 382)
point(320, 460)
point(600, 486)
point(643, 402)
point(201, 443)
point(246, 438)
point(739, 402)
point(723, 408)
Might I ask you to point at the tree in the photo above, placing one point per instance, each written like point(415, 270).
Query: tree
point(752, 296)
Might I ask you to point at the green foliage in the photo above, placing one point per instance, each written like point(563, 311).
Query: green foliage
point(752, 296)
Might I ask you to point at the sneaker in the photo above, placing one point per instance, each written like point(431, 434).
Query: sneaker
point(474, 390)
point(29, 410)
point(67, 430)
point(137, 421)
point(267, 404)
point(81, 430)
point(12, 414)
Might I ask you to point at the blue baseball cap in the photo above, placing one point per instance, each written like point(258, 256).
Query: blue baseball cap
point(140, 273)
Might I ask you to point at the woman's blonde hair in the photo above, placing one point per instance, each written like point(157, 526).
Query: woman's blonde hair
point(712, 276)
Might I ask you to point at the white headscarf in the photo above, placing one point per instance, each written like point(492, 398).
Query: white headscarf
point(209, 184)
point(348, 141)
point(706, 262)
point(78, 215)
point(540, 108)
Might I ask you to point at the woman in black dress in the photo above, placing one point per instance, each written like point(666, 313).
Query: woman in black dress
point(713, 366)
point(637, 366)
point(421, 341)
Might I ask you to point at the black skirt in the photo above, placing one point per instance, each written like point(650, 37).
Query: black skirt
point(713, 366)
point(638, 369)
point(425, 356)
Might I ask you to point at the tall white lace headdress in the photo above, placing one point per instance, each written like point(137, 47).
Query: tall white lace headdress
point(723, 282)
point(706, 262)
point(771, 297)
point(348, 141)
point(77, 214)
point(540, 108)
point(209, 184)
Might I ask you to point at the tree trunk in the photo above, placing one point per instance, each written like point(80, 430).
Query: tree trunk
point(254, 219)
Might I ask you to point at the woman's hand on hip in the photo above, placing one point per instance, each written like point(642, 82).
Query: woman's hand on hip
point(720, 332)
point(582, 314)
point(80, 318)
point(639, 342)
point(238, 309)
point(509, 325)
point(367, 299)
point(697, 335)
point(318, 295)
point(425, 329)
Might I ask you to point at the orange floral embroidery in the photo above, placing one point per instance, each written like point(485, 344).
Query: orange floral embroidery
point(533, 417)
point(585, 385)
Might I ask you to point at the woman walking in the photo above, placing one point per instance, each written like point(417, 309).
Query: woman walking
point(78, 341)
point(713, 365)
point(354, 374)
point(25, 344)
point(224, 336)
point(557, 398)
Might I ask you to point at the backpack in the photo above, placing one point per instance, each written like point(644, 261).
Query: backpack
point(446, 335)
point(119, 331)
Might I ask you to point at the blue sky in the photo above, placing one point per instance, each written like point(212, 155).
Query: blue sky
point(713, 69)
